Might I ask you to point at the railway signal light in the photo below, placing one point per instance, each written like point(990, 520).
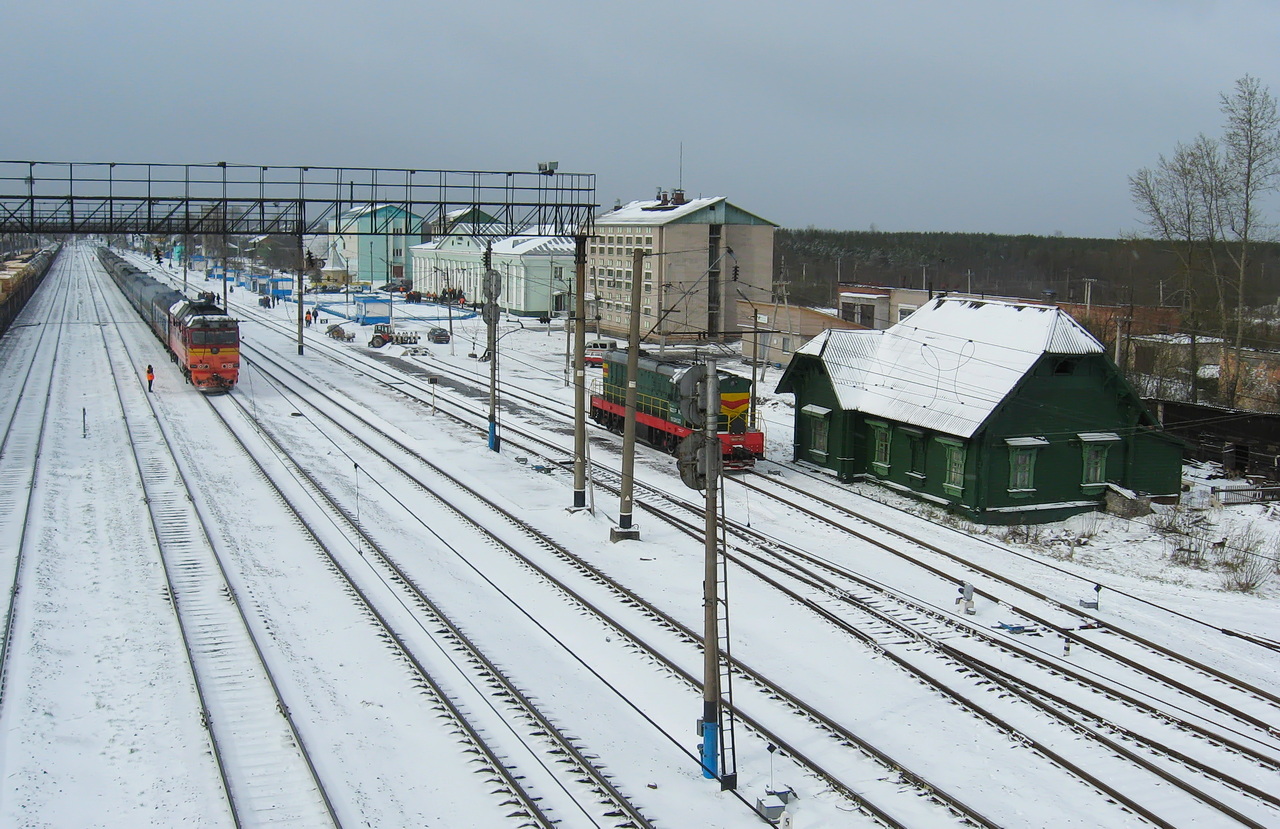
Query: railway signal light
point(691, 461)
point(689, 385)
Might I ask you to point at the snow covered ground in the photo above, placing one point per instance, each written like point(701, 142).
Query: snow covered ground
point(99, 715)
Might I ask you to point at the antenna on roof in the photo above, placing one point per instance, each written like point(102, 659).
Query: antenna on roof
point(680, 175)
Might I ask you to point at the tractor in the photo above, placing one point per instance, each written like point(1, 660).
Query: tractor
point(385, 332)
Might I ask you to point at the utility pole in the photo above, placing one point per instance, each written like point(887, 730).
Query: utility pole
point(710, 600)
point(492, 288)
point(579, 373)
point(624, 530)
point(301, 265)
point(755, 361)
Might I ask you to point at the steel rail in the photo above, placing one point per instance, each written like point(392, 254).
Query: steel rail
point(163, 539)
point(28, 484)
point(493, 763)
point(1195, 665)
point(948, 801)
point(493, 673)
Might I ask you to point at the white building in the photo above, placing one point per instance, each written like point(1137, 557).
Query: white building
point(535, 272)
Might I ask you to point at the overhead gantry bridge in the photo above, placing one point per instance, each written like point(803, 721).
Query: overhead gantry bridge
point(44, 198)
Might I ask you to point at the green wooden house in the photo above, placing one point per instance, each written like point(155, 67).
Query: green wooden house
point(1004, 412)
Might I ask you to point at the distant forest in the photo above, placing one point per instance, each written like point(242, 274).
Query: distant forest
point(1125, 271)
point(1139, 271)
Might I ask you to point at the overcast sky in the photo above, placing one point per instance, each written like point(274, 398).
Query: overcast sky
point(1000, 116)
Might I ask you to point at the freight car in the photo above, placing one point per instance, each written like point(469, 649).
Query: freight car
point(199, 335)
point(664, 392)
point(20, 275)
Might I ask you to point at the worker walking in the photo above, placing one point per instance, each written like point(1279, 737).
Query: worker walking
point(151, 377)
point(308, 318)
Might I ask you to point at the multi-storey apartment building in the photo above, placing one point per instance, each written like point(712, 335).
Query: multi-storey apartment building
point(701, 256)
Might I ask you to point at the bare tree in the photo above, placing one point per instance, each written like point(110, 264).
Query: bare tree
point(1251, 160)
point(1207, 198)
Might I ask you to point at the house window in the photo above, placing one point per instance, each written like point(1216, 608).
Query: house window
point(879, 447)
point(1094, 466)
point(1022, 464)
point(818, 421)
point(865, 315)
point(953, 482)
point(1022, 467)
point(916, 443)
point(905, 311)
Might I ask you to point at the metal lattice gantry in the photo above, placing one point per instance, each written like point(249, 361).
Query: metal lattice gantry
point(44, 197)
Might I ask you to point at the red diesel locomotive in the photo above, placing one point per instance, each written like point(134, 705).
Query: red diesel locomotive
point(201, 338)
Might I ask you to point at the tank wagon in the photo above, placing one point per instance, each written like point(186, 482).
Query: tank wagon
point(199, 335)
point(665, 390)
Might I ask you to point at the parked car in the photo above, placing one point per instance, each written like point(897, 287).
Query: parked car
point(438, 335)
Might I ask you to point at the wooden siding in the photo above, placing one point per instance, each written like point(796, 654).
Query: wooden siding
point(1062, 406)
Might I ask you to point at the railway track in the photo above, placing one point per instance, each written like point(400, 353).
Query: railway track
point(25, 418)
point(591, 793)
point(1078, 718)
point(1250, 706)
point(266, 770)
point(959, 659)
point(936, 639)
point(1076, 628)
point(772, 688)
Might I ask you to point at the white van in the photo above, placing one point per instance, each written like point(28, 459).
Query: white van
point(595, 350)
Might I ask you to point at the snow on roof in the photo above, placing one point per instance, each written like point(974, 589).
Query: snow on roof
point(356, 212)
point(948, 365)
point(1175, 339)
point(654, 212)
point(524, 245)
point(514, 245)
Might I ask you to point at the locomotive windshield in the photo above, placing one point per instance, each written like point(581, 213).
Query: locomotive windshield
point(214, 336)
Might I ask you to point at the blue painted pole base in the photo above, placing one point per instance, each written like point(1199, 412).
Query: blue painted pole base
point(710, 749)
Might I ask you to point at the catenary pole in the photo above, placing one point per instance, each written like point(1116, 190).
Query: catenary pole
point(579, 373)
point(492, 287)
point(711, 632)
point(301, 265)
point(625, 530)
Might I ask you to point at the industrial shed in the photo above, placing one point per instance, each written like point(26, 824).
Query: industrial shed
point(1005, 412)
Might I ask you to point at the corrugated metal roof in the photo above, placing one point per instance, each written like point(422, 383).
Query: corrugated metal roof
point(948, 365)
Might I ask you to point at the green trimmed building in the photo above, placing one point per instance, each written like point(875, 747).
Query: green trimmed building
point(1004, 412)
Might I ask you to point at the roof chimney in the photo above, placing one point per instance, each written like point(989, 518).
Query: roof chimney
point(677, 197)
point(662, 197)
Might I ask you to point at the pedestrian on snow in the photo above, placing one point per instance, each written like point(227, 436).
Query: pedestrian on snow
point(308, 318)
point(151, 377)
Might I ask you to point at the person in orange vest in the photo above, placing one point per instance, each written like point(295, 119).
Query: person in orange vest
point(151, 377)
point(308, 318)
